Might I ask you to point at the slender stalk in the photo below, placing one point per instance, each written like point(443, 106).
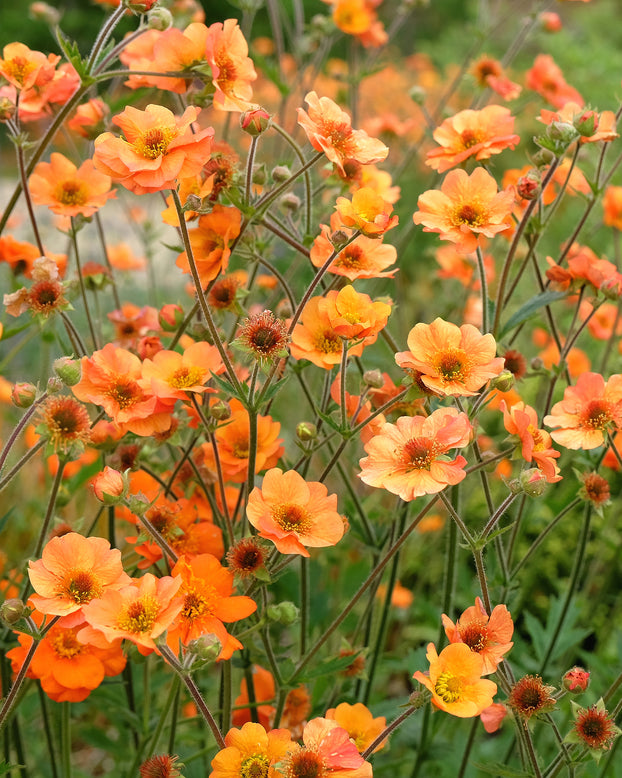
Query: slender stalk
point(58, 478)
point(19, 427)
point(249, 169)
point(74, 336)
point(387, 731)
point(22, 174)
point(105, 33)
point(74, 240)
point(65, 739)
point(304, 604)
point(23, 460)
point(484, 286)
point(467, 751)
point(252, 430)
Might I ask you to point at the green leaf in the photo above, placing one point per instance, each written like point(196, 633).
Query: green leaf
point(6, 767)
point(528, 310)
point(276, 387)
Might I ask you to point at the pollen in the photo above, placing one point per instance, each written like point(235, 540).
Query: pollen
point(185, 377)
point(597, 414)
point(19, 68)
point(71, 193)
point(469, 214)
point(475, 636)
point(469, 138)
point(198, 602)
point(124, 392)
point(328, 342)
point(81, 586)
point(255, 766)
point(291, 518)
point(419, 454)
point(65, 643)
point(351, 258)
point(305, 764)
point(155, 142)
point(452, 365)
point(139, 615)
point(448, 687)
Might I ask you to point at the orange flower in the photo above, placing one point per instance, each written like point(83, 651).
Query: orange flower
point(451, 360)
point(68, 669)
point(315, 339)
point(593, 127)
point(357, 411)
point(121, 257)
point(294, 513)
point(139, 612)
point(489, 636)
point(465, 208)
point(478, 134)
point(210, 242)
point(24, 68)
point(172, 375)
point(455, 680)
point(72, 571)
point(88, 120)
point(454, 264)
point(489, 73)
point(409, 458)
point(233, 441)
point(251, 751)
point(19, 255)
point(363, 258)
point(546, 78)
point(589, 409)
point(206, 591)
point(359, 723)
point(612, 207)
point(327, 752)
point(131, 323)
point(232, 69)
point(354, 315)
point(359, 18)
point(158, 149)
point(68, 190)
point(265, 692)
point(522, 420)
point(112, 378)
point(367, 212)
point(329, 129)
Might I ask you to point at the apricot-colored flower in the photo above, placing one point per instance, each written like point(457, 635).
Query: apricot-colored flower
point(112, 378)
point(329, 129)
point(264, 694)
point(210, 242)
point(522, 420)
point(131, 322)
point(362, 258)
point(367, 212)
point(489, 73)
point(492, 716)
point(328, 752)
point(68, 190)
point(294, 513)
point(251, 751)
point(158, 149)
point(121, 257)
point(462, 267)
point(409, 458)
point(139, 612)
point(72, 571)
point(469, 133)
point(489, 636)
point(359, 723)
point(315, 339)
point(353, 315)
point(232, 69)
point(546, 78)
point(450, 360)
point(68, 669)
point(359, 18)
point(612, 207)
point(589, 409)
point(172, 375)
point(24, 68)
point(88, 120)
point(592, 126)
point(466, 207)
point(455, 680)
point(207, 603)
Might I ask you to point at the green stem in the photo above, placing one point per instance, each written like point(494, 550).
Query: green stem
point(484, 286)
point(105, 33)
point(387, 731)
point(249, 169)
point(22, 173)
point(74, 239)
point(304, 604)
point(65, 728)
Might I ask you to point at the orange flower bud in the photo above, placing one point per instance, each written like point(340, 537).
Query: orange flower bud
point(109, 486)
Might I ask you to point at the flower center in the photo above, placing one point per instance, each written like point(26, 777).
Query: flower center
point(255, 766)
point(469, 214)
point(71, 193)
point(45, 295)
point(594, 728)
point(291, 518)
point(539, 443)
point(139, 616)
point(19, 68)
point(241, 449)
point(124, 393)
point(597, 414)
point(185, 377)
point(448, 687)
point(197, 602)
point(475, 636)
point(452, 365)
point(328, 342)
point(469, 138)
point(155, 142)
point(65, 643)
point(81, 586)
point(419, 454)
point(351, 257)
point(306, 764)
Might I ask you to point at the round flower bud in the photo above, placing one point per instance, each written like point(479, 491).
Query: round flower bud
point(533, 482)
point(193, 202)
point(12, 610)
point(373, 378)
point(576, 680)
point(537, 363)
point(543, 158)
point(69, 370)
point(139, 6)
point(610, 288)
point(586, 124)
point(550, 21)
point(260, 174)
point(7, 109)
point(206, 648)
point(280, 173)
point(23, 394)
point(220, 410)
point(564, 132)
point(528, 186)
point(503, 382)
point(170, 316)
point(110, 486)
point(255, 121)
point(339, 238)
point(160, 19)
point(54, 385)
point(42, 12)
point(285, 613)
point(290, 202)
point(417, 94)
point(306, 431)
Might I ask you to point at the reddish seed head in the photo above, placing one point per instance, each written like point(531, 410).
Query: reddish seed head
point(516, 363)
point(595, 489)
point(246, 557)
point(530, 696)
point(594, 727)
point(264, 336)
point(164, 766)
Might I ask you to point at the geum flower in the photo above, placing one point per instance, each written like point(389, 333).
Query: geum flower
point(211, 241)
point(547, 79)
point(489, 73)
point(68, 190)
point(315, 339)
point(450, 360)
point(328, 752)
point(329, 129)
point(293, 513)
point(487, 635)
point(455, 681)
point(173, 376)
point(469, 133)
point(226, 50)
point(592, 126)
point(158, 149)
point(522, 420)
point(207, 602)
point(409, 458)
point(465, 208)
point(368, 212)
point(359, 723)
point(588, 411)
point(24, 68)
point(252, 751)
point(72, 571)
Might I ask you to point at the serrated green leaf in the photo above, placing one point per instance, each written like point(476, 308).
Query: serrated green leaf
point(528, 310)
point(6, 767)
point(276, 387)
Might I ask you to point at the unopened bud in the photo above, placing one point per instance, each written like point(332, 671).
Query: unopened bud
point(42, 12)
point(110, 486)
point(54, 385)
point(193, 202)
point(290, 202)
point(148, 346)
point(373, 378)
point(417, 94)
point(255, 121)
point(550, 21)
point(533, 482)
point(170, 316)
point(576, 680)
point(563, 132)
point(503, 382)
point(280, 173)
point(339, 238)
point(586, 124)
point(419, 699)
point(7, 109)
point(612, 287)
point(205, 648)
point(528, 186)
point(12, 610)
point(260, 174)
point(305, 430)
point(139, 6)
point(537, 364)
point(23, 394)
point(69, 370)
point(285, 613)
point(220, 410)
point(543, 158)
point(160, 19)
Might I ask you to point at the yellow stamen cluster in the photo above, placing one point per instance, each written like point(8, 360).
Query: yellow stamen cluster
point(139, 616)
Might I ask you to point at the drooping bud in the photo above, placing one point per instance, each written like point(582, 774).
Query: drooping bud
point(220, 410)
point(12, 610)
point(255, 121)
point(280, 173)
point(576, 680)
point(503, 382)
point(528, 186)
point(373, 378)
point(290, 202)
point(23, 394)
point(160, 19)
point(69, 370)
point(305, 431)
point(42, 12)
point(285, 613)
point(54, 385)
point(110, 486)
